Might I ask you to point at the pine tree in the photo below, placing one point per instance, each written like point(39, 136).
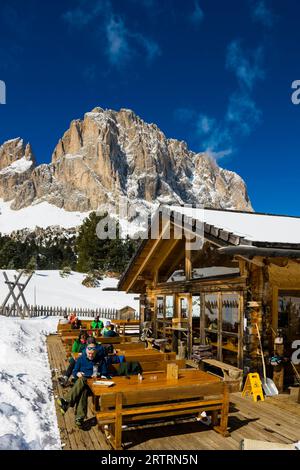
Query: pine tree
point(106, 255)
point(31, 265)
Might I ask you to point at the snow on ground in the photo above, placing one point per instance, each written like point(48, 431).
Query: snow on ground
point(27, 409)
point(39, 215)
point(48, 288)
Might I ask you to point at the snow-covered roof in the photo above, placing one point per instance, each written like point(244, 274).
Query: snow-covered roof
point(253, 227)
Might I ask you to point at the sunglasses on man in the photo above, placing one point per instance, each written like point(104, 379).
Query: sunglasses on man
point(91, 348)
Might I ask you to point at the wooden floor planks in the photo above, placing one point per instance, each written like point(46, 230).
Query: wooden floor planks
point(275, 420)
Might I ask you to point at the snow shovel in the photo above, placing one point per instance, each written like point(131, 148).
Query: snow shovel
point(268, 385)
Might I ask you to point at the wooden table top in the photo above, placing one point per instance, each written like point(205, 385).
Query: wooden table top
point(154, 381)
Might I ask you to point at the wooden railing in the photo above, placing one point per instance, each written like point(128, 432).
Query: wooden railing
point(49, 311)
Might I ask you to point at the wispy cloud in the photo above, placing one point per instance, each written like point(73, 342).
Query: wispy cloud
point(204, 125)
point(197, 16)
point(246, 66)
point(85, 13)
point(121, 43)
point(262, 13)
point(242, 114)
point(219, 138)
point(118, 50)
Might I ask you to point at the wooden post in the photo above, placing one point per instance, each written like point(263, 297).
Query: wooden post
point(190, 326)
point(219, 352)
point(241, 330)
point(278, 372)
point(118, 422)
point(222, 428)
point(202, 318)
point(188, 265)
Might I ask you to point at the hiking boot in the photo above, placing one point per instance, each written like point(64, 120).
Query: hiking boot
point(79, 422)
point(63, 380)
point(63, 405)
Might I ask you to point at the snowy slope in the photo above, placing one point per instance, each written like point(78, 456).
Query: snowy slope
point(40, 215)
point(50, 289)
point(27, 409)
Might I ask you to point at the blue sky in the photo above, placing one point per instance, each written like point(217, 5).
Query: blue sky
point(213, 73)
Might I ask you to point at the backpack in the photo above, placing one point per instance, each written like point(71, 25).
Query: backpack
point(130, 368)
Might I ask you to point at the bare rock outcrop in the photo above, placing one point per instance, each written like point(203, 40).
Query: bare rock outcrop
point(16, 165)
point(112, 154)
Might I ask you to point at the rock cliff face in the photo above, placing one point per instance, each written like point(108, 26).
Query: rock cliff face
point(16, 165)
point(110, 154)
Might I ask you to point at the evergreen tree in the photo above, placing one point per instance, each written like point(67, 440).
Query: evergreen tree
point(106, 255)
point(31, 265)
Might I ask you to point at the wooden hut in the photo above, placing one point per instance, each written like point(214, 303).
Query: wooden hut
point(206, 276)
point(126, 313)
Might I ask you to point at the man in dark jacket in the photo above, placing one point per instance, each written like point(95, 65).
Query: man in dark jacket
point(92, 358)
point(110, 332)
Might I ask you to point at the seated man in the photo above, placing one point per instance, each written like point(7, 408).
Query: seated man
point(97, 323)
point(76, 324)
point(110, 332)
point(93, 356)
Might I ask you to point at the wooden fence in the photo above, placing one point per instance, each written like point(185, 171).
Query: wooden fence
point(46, 311)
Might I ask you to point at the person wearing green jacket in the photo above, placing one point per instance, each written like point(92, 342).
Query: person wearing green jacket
point(97, 323)
point(78, 346)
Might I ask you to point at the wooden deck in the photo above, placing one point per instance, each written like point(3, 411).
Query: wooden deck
point(277, 419)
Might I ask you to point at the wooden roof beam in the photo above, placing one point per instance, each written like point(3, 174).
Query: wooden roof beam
point(148, 256)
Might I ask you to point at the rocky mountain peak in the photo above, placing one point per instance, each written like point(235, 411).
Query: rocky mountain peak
point(111, 154)
point(13, 150)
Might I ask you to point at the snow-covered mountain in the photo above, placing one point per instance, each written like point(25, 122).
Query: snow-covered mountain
point(112, 154)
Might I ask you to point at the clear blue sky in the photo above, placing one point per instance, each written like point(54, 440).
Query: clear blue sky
point(215, 73)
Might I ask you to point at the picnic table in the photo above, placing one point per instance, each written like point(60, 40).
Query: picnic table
point(130, 400)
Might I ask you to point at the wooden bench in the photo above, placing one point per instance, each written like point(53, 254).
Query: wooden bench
point(127, 326)
point(231, 374)
point(132, 401)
